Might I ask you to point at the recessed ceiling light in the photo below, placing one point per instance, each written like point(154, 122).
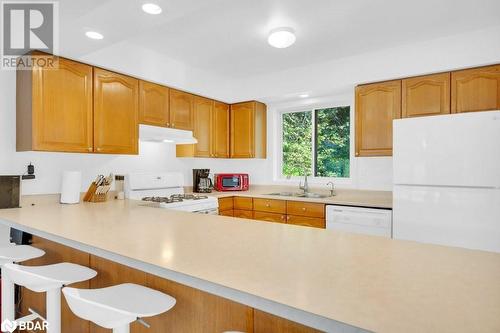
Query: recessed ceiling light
point(94, 35)
point(304, 95)
point(281, 37)
point(151, 8)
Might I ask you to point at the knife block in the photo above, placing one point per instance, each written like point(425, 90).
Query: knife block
point(92, 196)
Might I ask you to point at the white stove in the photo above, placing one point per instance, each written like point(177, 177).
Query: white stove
point(166, 190)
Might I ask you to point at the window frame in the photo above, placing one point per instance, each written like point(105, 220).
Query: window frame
point(278, 173)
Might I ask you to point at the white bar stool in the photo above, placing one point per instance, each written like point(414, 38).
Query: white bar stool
point(11, 254)
point(117, 306)
point(50, 279)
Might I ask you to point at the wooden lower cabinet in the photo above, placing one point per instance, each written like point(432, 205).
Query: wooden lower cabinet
point(243, 203)
point(227, 212)
point(306, 221)
point(267, 323)
point(225, 204)
point(269, 205)
point(269, 217)
point(246, 214)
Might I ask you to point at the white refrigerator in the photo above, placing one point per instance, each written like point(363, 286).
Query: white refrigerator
point(447, 180)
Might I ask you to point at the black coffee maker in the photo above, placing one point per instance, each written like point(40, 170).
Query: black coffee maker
point(201, 181)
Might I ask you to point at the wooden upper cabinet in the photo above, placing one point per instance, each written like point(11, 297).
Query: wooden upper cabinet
point(181, 110)
point(116, 110)
point(377, 105)
point(54, 108)
point(476, 89)
point(153, 104)
point(426, 95)
point(220, 130)
point(248, 130)
point(203, 126)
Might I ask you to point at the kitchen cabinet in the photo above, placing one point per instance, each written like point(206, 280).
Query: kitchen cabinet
point(203, 128)
point(248, 130)
point(226, 206)
point(267, 323)
point(301, 208)
point(116, 111)
point(228, 212)
point(243, 203)
point(269, 217)
point(306, 221)
point(54, 108)
point(476, 89)
point(427, 95)
point(153, 104)
point(269, 205)
point(246, 214)
point(377, 105)
point(220, 130)
point(181, 110)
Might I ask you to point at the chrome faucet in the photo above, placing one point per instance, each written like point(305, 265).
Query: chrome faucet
point(304, 187)
point(332, 189)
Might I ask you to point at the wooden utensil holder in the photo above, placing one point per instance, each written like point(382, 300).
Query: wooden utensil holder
point(92, 196)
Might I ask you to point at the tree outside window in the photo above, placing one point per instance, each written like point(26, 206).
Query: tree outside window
point(317, 142)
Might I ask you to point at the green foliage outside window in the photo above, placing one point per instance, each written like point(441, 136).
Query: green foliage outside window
point(332, 142)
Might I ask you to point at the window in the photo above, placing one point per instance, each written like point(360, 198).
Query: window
point(316, 142)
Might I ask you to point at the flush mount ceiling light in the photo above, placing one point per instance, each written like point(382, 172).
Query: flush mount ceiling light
point(281, 37)
point(94, 35)
point(151, 8)
point(304, 95)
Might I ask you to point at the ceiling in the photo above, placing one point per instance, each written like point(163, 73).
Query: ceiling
point(228, 37)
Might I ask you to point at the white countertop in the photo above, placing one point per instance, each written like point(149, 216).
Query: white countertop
point(318, 277)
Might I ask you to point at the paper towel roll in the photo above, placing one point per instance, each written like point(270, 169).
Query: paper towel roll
point(70, 187)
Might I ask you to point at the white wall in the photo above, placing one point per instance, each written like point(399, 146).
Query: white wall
point(325, 80)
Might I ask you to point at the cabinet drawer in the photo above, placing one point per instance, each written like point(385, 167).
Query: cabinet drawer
point(243, 203)
point(269, 217)
point(269, 205)
point(305, 209)
point(228, 212)
point(315, 222)
point(246, 214)
point(225, 203)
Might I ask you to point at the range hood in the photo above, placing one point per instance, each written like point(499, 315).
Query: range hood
point(149, 133)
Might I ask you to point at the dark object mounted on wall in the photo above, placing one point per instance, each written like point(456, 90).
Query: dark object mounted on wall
point(10, 191)
point(30, 173)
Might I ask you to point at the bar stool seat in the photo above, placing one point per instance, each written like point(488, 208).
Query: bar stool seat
point(117, 306)
point(18, 253)
point(44, 278)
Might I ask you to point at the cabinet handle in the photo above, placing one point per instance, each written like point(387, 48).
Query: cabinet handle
point(282, 217)
point(90, 148)
point(173, 125)
point(288, 217)
point(304, 209)
point(168, 124)
point(98, 149)
point(268, 205)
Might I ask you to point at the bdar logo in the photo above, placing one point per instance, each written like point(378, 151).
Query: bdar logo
point(8, 326)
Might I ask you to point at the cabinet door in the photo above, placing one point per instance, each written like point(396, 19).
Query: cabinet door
point(228, 212)
point(243, 203)
point(116, 106)
point(203, 126)
point(153, 104)
point(426, 95)
point(220, 130)
point(376, 106)
point(181, 110)
point(306, 221)
point(476, 89)
point(301, 208)
point(246, 214)
point(62, 108)
point(225, 203)
point(242, 130)
point(269, 205)
point(269, 217)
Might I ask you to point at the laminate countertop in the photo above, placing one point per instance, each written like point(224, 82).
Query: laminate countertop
point(328, 280)
point(347, 197)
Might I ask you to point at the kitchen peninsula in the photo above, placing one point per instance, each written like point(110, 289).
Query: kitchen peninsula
point(328, 280)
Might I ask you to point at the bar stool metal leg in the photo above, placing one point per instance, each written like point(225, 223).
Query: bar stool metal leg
point(8, 299)
point(53, 301)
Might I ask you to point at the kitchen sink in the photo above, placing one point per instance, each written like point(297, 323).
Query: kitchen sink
point(300, 195)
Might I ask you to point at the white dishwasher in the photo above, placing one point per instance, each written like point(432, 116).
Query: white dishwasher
point(369, 221)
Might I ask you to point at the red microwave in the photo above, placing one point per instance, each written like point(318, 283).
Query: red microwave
point(231, 182)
